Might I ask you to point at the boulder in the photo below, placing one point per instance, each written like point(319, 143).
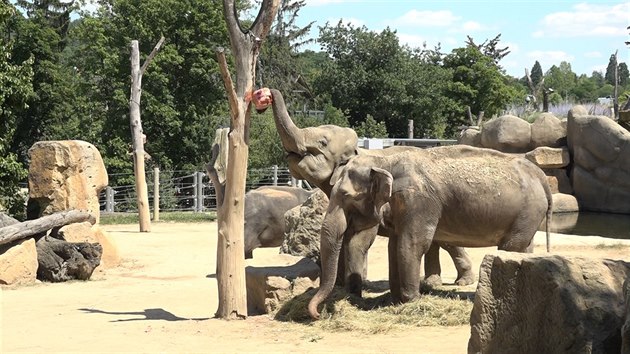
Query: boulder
point(86, 232)
point(528, 303)
point(303, 224)
point(547, 130)
point(18, 263)
point(272, 280)
point(548, 157)
point(65, 175)
point(507, 133)
point(600, 173)
point(625, 329)
point(558, 180)
point(470, 136)
point(564, 203)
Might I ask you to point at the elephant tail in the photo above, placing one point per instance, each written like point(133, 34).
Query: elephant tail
point(549, 212)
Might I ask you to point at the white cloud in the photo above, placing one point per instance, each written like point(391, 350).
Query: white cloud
point(324, 2)
point(412, 40)
point(593, 54)
point(587, 20)
point(415, 18)
point(471, 26)
point(549, 58)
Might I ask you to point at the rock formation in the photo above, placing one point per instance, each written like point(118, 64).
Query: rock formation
point(303, 224)
point(548, 304)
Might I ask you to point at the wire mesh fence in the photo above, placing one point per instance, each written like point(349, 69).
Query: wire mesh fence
point(186, 190)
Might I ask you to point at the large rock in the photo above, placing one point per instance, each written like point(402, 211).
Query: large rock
point(506, 133)
point(547, 130)
point(564, 203)
point(64, 175)
point(273, 280)
point(600, 174)
point(303, 224)
point(558, 180)
point(6, 220)
point(548, 304)
point(18, 263)
point(548, 157)
point(86, 232)
point(471, 136)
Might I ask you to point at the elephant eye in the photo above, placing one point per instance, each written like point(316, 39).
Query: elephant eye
point(323, 143)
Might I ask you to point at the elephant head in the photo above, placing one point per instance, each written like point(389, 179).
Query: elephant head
point(354, 213)
point(314, 153)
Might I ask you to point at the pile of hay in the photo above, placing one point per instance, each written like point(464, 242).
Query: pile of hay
point(375, 313)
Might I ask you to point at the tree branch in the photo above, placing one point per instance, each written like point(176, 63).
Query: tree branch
point(262, 23)
point(227, 81)
point(154, 52)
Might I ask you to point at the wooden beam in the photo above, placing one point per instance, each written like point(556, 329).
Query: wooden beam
point(30, 228)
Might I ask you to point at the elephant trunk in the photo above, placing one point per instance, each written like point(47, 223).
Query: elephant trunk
point(332, 232)
point(291, 136)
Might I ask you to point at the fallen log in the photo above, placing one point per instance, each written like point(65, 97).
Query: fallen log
point(37, 226)
point(61, 261)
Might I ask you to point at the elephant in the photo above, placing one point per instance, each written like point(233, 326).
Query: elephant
point(264, 215)
point(319, 155)
point(462, 195)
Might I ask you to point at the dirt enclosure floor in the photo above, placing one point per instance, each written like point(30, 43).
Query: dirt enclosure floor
point(163, 296)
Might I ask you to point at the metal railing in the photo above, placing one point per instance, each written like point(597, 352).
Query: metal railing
point(191, 191)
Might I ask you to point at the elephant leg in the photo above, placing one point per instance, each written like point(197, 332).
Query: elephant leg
point(356, 259)
point(432, 269)
point(394, 278)
point(411, 248)
point(463, 264)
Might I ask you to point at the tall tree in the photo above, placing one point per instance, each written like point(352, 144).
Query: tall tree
point(561, 79)
point(279, 66)
point(183, 96)
point(477, 82)
point(42, 36)
point(610, 70)
point(536, 74)
point(17, 77)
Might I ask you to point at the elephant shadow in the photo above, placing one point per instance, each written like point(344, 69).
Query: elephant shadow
point(376, 295)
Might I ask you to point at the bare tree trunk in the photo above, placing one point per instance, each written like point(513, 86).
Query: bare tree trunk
point(30, 228)
point(616, 92)
point(230, 245)
point(136, 132)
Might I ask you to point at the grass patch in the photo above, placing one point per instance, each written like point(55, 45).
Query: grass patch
point(375, 312)
point(132, 218)
point(608, 246)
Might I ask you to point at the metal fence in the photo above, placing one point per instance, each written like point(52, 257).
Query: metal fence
point(186, 190)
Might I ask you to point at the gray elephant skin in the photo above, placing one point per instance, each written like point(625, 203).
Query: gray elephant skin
point(264, 215)
point(319, 155)
point(465, 196)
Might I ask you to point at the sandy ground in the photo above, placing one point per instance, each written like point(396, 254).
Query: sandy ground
point(163, 296)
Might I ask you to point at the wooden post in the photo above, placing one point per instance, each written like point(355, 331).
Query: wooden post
point(156, 194)
point(136, 132)
point(245, 47)
point(616, 92)
point(410, 128)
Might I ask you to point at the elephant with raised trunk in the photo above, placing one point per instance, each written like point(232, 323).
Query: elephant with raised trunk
point(319, 155)
point(466, 196)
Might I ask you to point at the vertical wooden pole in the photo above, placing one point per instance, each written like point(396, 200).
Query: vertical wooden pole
point(137, 135)
point(138, 141)
point(156, 194)
point(231, 214)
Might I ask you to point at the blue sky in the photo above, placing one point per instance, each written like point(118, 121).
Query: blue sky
point(583, 33)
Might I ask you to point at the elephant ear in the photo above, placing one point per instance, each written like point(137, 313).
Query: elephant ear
point(337, 174)
point(380, 187)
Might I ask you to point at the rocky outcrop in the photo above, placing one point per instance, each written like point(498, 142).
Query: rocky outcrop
point(600, 174)
point(65, 175)
point(548, 304)
point(506, 133)
point(303, 224)
point(18, 263)
point(86, 232)
point(271, 281)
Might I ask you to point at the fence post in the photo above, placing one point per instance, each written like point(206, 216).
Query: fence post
point(194, 187)
point(109, 199)
point(199, 192)
point(156, 194)
point(275, 175)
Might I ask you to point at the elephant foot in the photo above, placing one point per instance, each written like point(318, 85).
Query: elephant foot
point(465, 279)
point(433, 280)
